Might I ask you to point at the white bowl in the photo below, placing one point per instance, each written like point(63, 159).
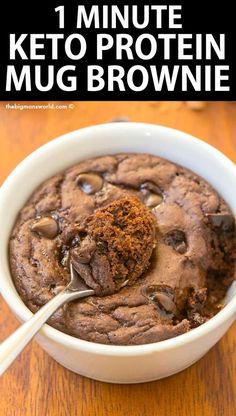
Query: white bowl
point(116, 364)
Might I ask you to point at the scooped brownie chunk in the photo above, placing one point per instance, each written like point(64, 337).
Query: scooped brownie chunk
point(116, 247)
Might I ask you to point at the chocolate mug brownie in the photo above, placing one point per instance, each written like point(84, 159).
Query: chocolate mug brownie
point(171, 280)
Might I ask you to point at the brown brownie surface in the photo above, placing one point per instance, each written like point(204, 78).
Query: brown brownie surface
point(186, 270)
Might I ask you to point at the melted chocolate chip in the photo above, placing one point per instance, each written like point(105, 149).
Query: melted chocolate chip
point(81, 257)
point(84, 252)
point(164, 302)
point(151, 187)
point(149, 290)
point(152, 200)
point(177, 240)
point(90, 183)
point(162, 296)
point(152, 194)
point(221, 220)
point(46, 227)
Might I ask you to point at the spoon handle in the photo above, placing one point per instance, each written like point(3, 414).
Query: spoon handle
point(15, 343)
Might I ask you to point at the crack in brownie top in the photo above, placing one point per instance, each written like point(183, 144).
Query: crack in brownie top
point(82, 215)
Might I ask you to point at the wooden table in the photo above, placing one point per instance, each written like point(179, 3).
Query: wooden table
point(36, 385)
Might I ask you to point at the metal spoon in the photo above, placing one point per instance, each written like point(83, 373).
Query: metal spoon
point(15, 343)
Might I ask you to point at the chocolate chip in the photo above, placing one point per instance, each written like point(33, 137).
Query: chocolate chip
point(177, 240)
point(221, 220)
point(162, 296)
point(80, 256)
point(84, 252)
point(90, 183)
point(153, 200)
point(165, 302)
point(152, 195)
point(151, 187)
point(46, 227)
point(149, 290)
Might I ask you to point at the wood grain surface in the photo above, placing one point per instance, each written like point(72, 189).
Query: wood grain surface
point(36, 385)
